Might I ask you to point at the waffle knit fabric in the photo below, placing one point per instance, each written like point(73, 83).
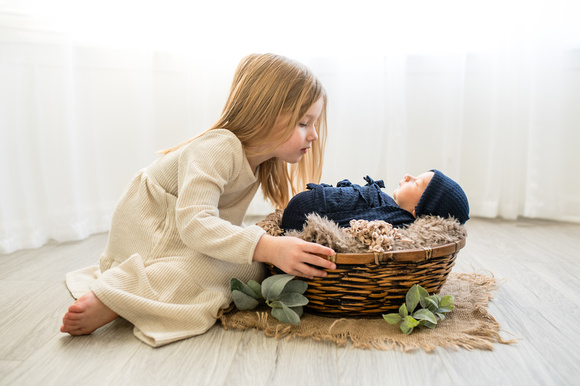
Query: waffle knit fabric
point(443, 197)
point(177, 239)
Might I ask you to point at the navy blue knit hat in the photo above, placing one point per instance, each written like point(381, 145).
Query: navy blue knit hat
point(443, 197)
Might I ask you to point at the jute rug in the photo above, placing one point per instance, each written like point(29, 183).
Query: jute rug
point(468, 326)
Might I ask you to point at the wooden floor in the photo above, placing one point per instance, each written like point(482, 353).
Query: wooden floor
point(539, 304)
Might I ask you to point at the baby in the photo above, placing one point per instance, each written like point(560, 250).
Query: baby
point(430, 193)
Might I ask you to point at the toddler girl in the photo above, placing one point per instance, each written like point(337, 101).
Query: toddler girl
point(177, 238)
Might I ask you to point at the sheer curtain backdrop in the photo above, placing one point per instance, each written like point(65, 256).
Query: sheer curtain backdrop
point(485, 91)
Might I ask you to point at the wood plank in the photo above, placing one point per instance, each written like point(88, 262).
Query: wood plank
point(305, 362)
point(505, 365)
point(7, 367)
point(81, 360)
point(547, 321)
point(52, 262)
point(200, 360)
point(531, 300)
point(515, 364)
point(30, 315)
point(537, 259)
point(255, 360)
point(372, 367)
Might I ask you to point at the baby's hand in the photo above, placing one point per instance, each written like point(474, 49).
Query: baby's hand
point(294, 256)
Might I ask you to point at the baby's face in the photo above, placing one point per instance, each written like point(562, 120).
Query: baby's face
point(410, 189)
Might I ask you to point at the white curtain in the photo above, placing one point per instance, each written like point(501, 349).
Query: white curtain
point(487, 92)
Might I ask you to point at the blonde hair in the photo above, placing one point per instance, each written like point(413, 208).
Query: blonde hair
point(265, 88)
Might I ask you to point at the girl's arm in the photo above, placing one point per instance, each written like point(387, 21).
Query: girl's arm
point(206, 167)
point(210, 168)
point(293, 255)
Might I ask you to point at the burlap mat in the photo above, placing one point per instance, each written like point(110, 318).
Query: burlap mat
point(468, 326)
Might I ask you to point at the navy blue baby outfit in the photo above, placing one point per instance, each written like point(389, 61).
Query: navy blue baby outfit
point(343, 203)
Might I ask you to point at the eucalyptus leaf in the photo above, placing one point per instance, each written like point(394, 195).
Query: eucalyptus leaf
point(236, 284)
point(433, 308)
point(425, 314)
point(273, 286)
point(293, 299)
point(279, 292)
point(446, 301)
point(429, 324)
point(392, 318)
point(296, 286)
point(446, 309)
point(256, 287)
point(299, 310)
point(414, 296)
point(424, 323)
point(411, 322)
point(406, 329)
point(422, 292)
point(274, 303)
point(403, 311)
point(424, 297)
point(435, 299)
point(430, 304)
point(244, 301)
point(286, 315)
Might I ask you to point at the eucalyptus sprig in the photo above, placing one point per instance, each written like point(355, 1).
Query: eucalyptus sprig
point(433, 308)
point(280, 292)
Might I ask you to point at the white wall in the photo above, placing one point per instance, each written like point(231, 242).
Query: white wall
point(90, 91)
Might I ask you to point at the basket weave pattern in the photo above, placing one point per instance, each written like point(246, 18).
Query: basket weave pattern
point(371, 284)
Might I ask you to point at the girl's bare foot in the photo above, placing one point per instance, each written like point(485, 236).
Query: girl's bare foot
point(86, 315)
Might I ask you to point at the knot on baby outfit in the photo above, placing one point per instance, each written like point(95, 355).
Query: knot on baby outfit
point(370, 181)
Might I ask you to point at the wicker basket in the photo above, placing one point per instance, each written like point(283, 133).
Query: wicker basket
point(371, 284)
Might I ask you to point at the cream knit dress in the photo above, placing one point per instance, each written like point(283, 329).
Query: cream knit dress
point(177, 239)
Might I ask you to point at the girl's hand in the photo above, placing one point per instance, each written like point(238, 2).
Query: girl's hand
point(293, 255)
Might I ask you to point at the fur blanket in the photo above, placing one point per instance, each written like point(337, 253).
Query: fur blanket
point(370, 236)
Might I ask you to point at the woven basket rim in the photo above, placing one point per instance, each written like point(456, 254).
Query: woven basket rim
point(410, 255)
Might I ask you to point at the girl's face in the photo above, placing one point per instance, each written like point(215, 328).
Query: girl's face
point(410, 189)
point(304, 134)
